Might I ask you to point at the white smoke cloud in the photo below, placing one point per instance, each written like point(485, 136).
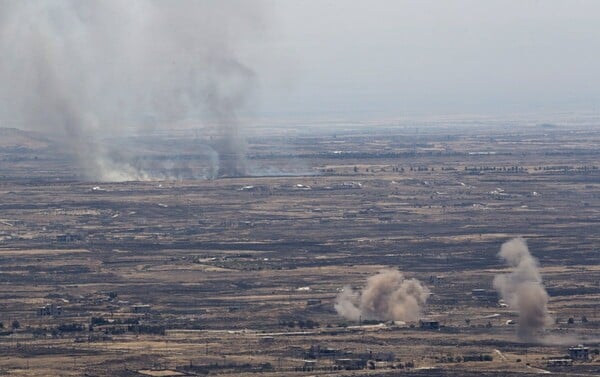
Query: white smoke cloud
point(86, 70)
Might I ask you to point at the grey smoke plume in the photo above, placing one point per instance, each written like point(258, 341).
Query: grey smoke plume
point(87, 70)
point(387, 296)
point(522, 288)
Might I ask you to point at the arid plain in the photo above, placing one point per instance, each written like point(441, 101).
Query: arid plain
point(238, 276)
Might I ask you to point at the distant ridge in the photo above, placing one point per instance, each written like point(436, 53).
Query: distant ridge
point(15, 138)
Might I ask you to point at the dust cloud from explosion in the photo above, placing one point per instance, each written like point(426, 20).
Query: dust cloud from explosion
point(86, 70)
point(388, 296)
point(522, 289)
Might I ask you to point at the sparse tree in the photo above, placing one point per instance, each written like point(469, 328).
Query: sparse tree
point(15, 324)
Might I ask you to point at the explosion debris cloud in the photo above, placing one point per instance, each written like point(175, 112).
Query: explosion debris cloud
point(522, 288)
point(388, 295)
point(88, 70)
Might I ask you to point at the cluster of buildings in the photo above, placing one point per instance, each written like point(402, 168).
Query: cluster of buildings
point(49, 310)
point(576, 353)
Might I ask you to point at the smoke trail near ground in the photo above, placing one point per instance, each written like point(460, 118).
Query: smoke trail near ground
point(522, 288)
point(88, 70)
point(388, 295)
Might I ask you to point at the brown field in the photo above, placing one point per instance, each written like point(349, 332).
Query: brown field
point(226, 266)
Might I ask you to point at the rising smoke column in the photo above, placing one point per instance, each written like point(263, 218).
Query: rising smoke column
point(387, 296)
point(522, 288)
point(87, 70)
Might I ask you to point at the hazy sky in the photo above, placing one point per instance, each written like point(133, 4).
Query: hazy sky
point(311, 59)
point(346, 58)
